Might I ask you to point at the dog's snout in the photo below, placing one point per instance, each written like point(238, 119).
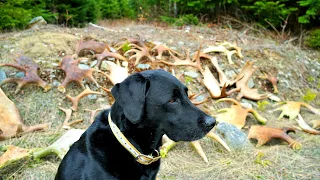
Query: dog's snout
point(209, 121)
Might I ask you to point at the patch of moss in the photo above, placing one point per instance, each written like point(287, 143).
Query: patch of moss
point(262, 105)
point(309, 96)
point(126, 47)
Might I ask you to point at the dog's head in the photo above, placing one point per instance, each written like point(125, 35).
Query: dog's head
point(156, 99)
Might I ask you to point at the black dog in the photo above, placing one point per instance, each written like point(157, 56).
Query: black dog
point(148, 105)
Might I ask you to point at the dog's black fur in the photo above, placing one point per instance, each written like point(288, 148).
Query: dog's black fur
point(148, 105)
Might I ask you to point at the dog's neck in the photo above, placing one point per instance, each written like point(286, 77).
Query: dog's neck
point(146, 139)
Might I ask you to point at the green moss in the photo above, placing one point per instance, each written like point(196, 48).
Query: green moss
point(313, 40)
point(262, 105)
point(309, 96)
point(126, 47)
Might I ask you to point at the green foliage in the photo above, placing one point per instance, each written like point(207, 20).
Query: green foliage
point(262, 105)
point(312, 11)
point(309, 96)
point(188, 19)
point(15, 14)
point(313, 40)
point(275, 12)
point(126, 47)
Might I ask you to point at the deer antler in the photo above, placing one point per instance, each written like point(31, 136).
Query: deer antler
point(97, 47)
point(66, 124)
point(221, 48)
point(185, 62)
point(30, 69)
point(273, 80)
point(236, 115)
point(73, 73)
point(93, 113)
point(233, 46)
point(140, 51)
point(245, 74)
point(265, 134)
point(160, 48)
point(315, 124)
point(106, 53)
point(75, 100)
point(305, 127)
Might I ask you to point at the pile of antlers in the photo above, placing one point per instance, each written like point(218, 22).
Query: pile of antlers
point(126, 56)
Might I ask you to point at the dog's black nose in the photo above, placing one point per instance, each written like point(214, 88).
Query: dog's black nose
point(209, 121)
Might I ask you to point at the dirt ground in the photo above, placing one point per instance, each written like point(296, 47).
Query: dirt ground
point(298, 73)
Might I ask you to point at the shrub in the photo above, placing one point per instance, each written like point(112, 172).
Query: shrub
point(313, 40)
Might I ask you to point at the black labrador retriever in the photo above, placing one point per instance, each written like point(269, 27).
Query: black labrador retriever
point(147, 106)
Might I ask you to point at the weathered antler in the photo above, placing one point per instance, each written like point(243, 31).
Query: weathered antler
point(75, 100)
point(73, 73)
point(272, 79)
point(236, 115)
point(265, 134)
point(30, 69)
point(93, 113)
point(222, 49)
point(305, 127)
point(117, 73)
point(186, 62)
point(140, 51)
point(315, 124)
point(160, 48)
point(292, 109)
point(245, 75)
point(106, 53)
point(233, 46)
point(11, 124)
point(96, 47)
point(66, 124)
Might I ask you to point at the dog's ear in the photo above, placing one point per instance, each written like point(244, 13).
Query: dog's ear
point(131, 95)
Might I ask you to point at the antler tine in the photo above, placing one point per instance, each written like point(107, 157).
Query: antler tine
point(93, 113)
point(66, 124)
point(75, 100)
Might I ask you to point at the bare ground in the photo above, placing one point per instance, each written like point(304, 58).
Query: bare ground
point(299, 71)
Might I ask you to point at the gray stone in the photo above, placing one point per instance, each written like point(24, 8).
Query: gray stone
point(104, 65)
point(191, 74)
point(235, 138)
point(93, 63)
point(83, 66)
point(143, 66)
point(56, 83)
point(2, 75)
point(250, 83)
point(92, 96)
point(181, 43)
point(19, 75)
point(200, 98)
point(36, 22)
point(248, 103)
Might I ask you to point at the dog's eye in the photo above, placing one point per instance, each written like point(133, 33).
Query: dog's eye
point(172, 100)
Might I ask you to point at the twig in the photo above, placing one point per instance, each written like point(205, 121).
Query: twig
point(274, 28)
point(100, 27)
point(237, 21)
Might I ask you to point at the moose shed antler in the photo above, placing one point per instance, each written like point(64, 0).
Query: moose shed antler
point(30, 69)
point(96, 47)
point(11, 124)
point(73, 73)
point(265, 134)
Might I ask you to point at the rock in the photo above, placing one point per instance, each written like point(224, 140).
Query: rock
point(83, 66)
point(36, 22)
point(56, 83)
point(200, 98)
point(191, 74)
point(250, 83)
point(143, 66)
point(93, 63)
point(181, 43)
point(54, 64)
point(2, 75)
point(235, 138)
point(274, 98)
point(104, 65)
point(248, 104)
point(19, 75)
point(92, 96)
point(230, 74)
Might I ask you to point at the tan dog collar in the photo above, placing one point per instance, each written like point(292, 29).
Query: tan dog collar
point(141, 158)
